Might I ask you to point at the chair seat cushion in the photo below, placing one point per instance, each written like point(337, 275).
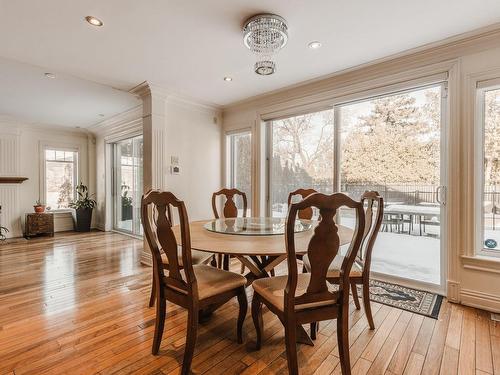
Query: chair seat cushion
point(213, 281)
point(272, 289)
point(334, 269)
point(196, 255)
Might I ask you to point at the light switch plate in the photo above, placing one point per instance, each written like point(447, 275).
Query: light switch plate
point(174, 160)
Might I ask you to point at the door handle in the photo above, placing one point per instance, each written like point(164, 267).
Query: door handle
point(441, 195)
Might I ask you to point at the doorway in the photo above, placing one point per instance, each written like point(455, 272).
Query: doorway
point(128, 185)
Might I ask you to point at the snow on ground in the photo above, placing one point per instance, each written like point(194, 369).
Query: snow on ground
point(412, 256)
point(409, 256)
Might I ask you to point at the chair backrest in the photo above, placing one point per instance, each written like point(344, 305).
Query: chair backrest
point(374, 215)
point(157, 223)
point(307, 213)
point(230, 210)
point(322, 249)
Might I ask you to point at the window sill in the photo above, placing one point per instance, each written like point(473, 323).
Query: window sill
point(481, 263)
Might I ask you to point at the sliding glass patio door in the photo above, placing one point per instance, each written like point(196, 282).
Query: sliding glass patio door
point(127, 185)
point(393, 144)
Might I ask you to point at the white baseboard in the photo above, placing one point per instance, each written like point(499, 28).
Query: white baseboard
point(453, 291)
point(480, 300)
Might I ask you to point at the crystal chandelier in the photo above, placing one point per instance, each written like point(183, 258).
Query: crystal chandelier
point(265, 35)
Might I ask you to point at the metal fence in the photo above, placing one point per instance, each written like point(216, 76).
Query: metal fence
point(396, 193)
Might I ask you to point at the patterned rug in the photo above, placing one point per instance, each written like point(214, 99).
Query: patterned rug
point(404, 298)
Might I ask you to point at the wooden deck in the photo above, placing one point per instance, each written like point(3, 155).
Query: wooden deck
point(77, 304)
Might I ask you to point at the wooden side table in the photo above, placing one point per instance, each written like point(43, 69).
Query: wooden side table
point(37, 224)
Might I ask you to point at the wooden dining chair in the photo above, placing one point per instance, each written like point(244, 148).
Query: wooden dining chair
point(198, 257)
point(307, 297)
point(307, 213)
point(198, 288)
point(360, 272)
point(229, 211)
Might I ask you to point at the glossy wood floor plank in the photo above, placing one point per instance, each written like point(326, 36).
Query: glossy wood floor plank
point(77, 304)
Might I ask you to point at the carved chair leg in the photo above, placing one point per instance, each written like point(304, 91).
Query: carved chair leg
point(161, 312)
point(355, 297)
point(242, 300)
point(192, 329)
point(291, 346)
point(257, 319)
point(225, 262)
point(153, 293)
point(343, 339)
point(366, 303)
point(219, 261)
point(314, 329)
point(242, 269)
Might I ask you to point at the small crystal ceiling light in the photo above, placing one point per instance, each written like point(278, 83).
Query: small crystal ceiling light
point(50, 75)
point(314, 45)
point(94, 21)
point(228, 79)
point(264, 35)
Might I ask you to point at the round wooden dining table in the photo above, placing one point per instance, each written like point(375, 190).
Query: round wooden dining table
point(261, 252)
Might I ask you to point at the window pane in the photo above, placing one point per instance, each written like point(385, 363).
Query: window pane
point(491, 196)
point(59, 183)
point(60, 155)
point(68, 155)
point(241, 167)
point(302, 157)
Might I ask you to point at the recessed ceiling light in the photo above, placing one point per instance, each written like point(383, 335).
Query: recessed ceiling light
point(93, 21)
point(228, 79)
point(314, 45)
point(50, 75)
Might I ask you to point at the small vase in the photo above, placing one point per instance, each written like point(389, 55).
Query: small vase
point(39, 208)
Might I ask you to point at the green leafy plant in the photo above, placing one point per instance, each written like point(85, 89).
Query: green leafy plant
point(126, 200)
point(84, 201)
point(38, 203)
point(3, 230)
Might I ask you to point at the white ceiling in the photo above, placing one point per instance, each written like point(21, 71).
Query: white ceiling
point(26, 94)
point(189, 46)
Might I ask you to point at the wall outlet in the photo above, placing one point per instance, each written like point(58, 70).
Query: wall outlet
point(175, 169)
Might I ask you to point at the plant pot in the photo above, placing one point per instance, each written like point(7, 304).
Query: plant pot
point(83, 219)
point(39, 209)
point(126, 213)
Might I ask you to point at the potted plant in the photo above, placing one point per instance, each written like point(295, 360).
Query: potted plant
point(83, 207)
point(3, 230)
point(126, 204)
point(39, 207)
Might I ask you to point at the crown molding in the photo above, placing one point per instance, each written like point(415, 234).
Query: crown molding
point(145, 89)
point(447, 49)
point(127, 121)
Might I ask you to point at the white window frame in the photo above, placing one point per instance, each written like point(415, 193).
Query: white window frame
point(43, 170)
point(481, 88)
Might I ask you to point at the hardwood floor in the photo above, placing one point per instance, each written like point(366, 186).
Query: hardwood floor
point(77, 304)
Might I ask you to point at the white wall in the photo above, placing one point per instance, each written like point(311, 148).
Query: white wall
point(20, 150)
point(192, 135)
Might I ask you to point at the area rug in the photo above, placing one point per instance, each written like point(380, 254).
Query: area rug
point(404, 298)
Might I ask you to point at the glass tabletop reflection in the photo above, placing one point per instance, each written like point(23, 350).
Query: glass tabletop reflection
point(255, 226)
